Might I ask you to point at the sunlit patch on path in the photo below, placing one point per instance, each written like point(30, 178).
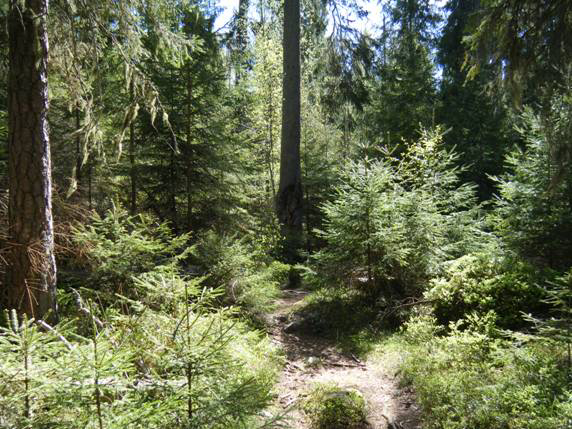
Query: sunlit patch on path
point(312, 359)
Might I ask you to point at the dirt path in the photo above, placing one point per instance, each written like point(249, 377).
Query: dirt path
point(313, 359)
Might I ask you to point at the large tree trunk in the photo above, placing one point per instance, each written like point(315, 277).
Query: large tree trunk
point(31, 279)
point(289, 201)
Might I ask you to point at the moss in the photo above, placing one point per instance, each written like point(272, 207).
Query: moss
point(332, 407)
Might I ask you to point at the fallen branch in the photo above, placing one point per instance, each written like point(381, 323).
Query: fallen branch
point(60, 336)
point(86, 311)
point(345, 365)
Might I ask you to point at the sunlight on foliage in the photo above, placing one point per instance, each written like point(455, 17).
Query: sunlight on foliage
point(161, 352)
point(394, 222)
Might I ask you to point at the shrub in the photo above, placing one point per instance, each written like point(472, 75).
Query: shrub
point(394, 222)
point(471, 378)
point(332, 407)
point(533, 214)
point(556, 324)
point(118, 248)
point(195, 368)
point(141, 346)
point(249, 278)
point(480, 283)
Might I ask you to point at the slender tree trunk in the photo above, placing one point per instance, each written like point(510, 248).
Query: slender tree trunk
point(270, 152)
point(289, 202)
point(307, 203)
point(241, 38)
point(132, 169)
point(132, 166)
point(188, 160)
point(78, 157)
point(173, 192)
point(384, 61)
point(89, 183)
point(31, 275)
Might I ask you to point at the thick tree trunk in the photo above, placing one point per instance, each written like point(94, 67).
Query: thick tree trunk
point(31, 279)
point(289, 201)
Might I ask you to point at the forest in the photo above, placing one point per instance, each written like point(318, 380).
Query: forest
point(306, 214)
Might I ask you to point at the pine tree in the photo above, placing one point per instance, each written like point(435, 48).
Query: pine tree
point(31, 280)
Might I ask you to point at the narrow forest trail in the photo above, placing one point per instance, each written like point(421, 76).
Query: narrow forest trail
point(311, 359)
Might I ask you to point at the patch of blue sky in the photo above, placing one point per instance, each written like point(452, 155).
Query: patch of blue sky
point(371, 23)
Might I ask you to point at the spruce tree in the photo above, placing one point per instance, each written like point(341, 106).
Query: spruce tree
point(404, 95)
point(476, 119)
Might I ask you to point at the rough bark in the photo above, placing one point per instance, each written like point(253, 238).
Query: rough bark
point(31, 275)
point(289, 202)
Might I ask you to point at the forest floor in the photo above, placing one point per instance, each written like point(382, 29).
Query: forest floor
point(313, 359)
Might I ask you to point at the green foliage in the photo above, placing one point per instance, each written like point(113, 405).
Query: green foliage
point(471, 373)
point(118, 248)
point(321, 151)
point(476, 119)
point(99, 82)
point(147, 338)
point(3, 128)
point(161, 353)
point(250, 279)
point(558, 327)
point(533, 215)
point(469, 379)
point(394, 222)
point(332, 407)
point(403, 97)
point(488, 281)
point(136, 370)
point(23, 375)
point(527, 42)
point(259, 104)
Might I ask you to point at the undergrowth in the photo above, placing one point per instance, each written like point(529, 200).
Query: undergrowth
point(139, 344)
point(250, 279)
point(350, 317)
point(471, 375)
